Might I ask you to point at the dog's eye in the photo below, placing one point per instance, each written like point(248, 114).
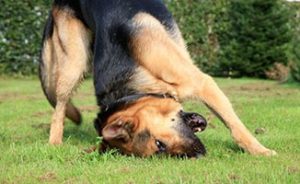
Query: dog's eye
point(160, 145)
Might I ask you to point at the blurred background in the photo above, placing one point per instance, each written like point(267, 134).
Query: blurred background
point(226, 38)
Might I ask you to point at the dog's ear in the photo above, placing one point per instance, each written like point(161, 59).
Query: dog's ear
point(118, 130)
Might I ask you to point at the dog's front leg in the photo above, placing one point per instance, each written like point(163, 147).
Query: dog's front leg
point(214, 98)
point(154, 49)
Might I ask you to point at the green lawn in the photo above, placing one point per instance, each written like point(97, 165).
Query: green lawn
point(27, 158)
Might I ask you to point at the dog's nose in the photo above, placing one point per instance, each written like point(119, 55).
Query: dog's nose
point(199, 122)
point(194, 120)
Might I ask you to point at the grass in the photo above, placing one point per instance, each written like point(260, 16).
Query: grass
point(27, 158)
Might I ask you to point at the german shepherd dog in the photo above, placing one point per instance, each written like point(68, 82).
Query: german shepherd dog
point(142, 71)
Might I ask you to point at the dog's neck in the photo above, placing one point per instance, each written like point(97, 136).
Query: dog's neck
point(109, 109)
point(131, 99)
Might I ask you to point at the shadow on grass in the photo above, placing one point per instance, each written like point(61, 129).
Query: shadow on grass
point(86, 134)
point(223, 146)
point(81, 134)
point(233, 147)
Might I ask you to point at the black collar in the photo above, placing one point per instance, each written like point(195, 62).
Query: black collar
point(127, 100)
point(109, 109)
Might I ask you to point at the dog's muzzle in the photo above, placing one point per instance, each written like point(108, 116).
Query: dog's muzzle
point(194, 120)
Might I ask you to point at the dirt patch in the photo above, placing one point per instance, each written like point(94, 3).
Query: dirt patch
point(5, 182)
point(124, 170)
point(41, 114)
point(72, 181)
point(257, 87)
point(18, 96)
point(90, 108)
point(49, 176)
point(233, 176)
point(260, 130)
point(41, 126)
point(83, 95)
point(210, 125)
point(293, 170)
point(90, 150)
point(261, 89)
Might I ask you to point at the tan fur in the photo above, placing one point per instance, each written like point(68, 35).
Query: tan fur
point(164, 66)
point(155, 50)
point(155, 115)
point(145, 82)
point(67, 54)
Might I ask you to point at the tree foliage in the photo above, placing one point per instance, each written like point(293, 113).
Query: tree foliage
point(295, 44)
point(20, 34)
point(224, 37)
point(255, 39)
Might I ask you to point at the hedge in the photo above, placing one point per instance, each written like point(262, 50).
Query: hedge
point(22, 24)
point(198, 21)
point(20, 35)
point(257, 37)
point(295, 44)
point(202, 23)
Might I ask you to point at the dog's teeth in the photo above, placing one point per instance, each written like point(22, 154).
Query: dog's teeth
point(198, 129)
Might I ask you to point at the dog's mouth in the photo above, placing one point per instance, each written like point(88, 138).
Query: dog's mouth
point(194, 120)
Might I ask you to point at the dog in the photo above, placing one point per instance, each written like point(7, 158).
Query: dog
point(142, 72)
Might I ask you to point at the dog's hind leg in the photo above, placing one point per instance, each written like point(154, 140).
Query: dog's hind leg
point(154, 49)
point(65, 58)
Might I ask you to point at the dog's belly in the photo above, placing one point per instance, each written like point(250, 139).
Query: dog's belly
point(101, 13)
point(116, 73)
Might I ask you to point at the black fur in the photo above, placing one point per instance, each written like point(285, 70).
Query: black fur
point(110, 22)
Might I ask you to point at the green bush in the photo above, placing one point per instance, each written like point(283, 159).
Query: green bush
point(192, 18)
point(210, 28)
point(295, 46)
point(197, 20)
point(20, 35)
point(256, 38)
point(22, 23)
point(295, 68)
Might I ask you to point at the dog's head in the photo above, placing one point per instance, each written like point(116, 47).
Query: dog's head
point(152, 126)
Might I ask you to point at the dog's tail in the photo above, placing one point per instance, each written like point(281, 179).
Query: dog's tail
point(48, 72)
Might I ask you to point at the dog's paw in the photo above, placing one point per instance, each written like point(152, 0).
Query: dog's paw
point(54, 141)
point(264, 152)
point(270, 153)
